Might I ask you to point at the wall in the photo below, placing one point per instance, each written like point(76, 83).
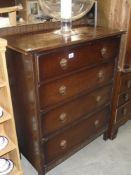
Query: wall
point(115, 14)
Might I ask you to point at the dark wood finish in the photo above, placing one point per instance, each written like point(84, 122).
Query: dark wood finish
point(85, 81)
point(7, 3)
point(124, 97)
point(122, 92)
point(84, 91)
point(128, 51)
point(124, 111)
point(64, 142)
point(65, 114)
point(21, 77)
point(125, 82)
point(105, 51)
point(83, 35)
point(121, 103)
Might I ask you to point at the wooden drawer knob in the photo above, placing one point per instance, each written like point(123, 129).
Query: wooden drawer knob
point(126, 97)
point(63, 63)
point(62, 90)
point(100, 75)
point(63, 117)
point(124, 111)
point(63, 144)
point(104, 52)
point(96, 123)
point(98, 98)
point(129, 83)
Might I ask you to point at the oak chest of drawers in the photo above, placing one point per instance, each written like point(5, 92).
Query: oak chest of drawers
point(61, 91)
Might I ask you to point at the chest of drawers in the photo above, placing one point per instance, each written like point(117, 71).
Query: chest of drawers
point(61, 91)
point(121, 111)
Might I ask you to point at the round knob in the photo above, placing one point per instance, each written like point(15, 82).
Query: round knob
point(63, 63)
point(96, 123)
point(129, 83)
point(63, 144)
point(100, 75)
point(62, 90)
point(104, 52)
point(98, 98)
point(126, 97)
point(63, 117)
point(124, 111)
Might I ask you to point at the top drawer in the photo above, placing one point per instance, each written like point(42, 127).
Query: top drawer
point(68, 59)
point(125, 82)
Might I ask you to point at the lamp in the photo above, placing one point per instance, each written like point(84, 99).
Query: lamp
point(66, 16)
point(67, 11)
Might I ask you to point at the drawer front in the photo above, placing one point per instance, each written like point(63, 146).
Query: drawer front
point(125, 82)
point(84, 81)
point(124, 111)
point(67, 140)
point(66, 114)
point(65, 60)
point(124, 97)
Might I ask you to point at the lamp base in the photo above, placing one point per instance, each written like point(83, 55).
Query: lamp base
point(66, 26)
point(64, 34)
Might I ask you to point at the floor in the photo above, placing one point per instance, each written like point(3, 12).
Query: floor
point(98, 158)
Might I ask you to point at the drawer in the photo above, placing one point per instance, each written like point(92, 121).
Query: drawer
point(124, 97)
point(125, 82)
point(68, 59)
point(124, 111)
point(63, 143)
point(66, 114)
point(76, 84)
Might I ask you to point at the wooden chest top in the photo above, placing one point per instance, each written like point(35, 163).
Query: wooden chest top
point(26, 43)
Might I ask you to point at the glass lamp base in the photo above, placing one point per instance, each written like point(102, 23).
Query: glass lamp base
point(66, 26)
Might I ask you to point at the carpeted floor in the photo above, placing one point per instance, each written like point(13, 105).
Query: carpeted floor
point(98, 158)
